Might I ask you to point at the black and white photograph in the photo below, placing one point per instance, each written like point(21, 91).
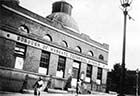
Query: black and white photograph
point(69, 48)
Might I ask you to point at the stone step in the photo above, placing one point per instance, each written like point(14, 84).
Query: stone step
point(49, 91)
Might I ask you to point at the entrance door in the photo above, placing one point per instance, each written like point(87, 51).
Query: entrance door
point(75, 73)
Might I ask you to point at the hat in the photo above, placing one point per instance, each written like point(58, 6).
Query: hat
point(40, 78)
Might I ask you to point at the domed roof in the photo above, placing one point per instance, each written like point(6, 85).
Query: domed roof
point(65, 19)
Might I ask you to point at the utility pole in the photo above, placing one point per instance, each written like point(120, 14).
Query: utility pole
point(125, 4)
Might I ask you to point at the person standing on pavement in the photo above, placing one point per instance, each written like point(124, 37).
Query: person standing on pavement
point(49, 84)
point(38, 86)
point(68, 83)
point(25, 83)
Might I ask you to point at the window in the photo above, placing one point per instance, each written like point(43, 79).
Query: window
point(61, 67)
point(75, 69)
point(101, 57)
point(44, 62)
point(47, 37)
point(89, 73)
point(90, 53)
point(64, 43)
point(23, 28)
point(20, 50)
point(99, 74)
point(78, 49)
point(75, 73)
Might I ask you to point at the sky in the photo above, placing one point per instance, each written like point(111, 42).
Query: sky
point(103, 21)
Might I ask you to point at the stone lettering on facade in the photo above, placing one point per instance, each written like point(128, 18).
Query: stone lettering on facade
point(45, 47)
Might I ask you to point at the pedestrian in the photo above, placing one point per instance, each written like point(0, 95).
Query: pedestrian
point(25, 82)
point(83, 88)
point(79, 86)
point(38, 86)
point(68, 83)
point(49, 84)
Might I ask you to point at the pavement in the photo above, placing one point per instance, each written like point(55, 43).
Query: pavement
point(53, 94)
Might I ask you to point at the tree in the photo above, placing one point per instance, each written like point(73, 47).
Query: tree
point(115, 77)
point(113, 80)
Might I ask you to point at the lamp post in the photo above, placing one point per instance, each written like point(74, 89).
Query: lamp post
point(137, 82)
point(125, 4)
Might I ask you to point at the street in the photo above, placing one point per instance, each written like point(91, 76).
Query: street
point(52, 94)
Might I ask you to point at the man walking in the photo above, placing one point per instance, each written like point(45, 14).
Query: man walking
point(37, 86)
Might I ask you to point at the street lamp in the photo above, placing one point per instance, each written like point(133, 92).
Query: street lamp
point(125, 4)
point(137, 82)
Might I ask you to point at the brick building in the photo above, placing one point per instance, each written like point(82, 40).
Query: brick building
point(38, 46)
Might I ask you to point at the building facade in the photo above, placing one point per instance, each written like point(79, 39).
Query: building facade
point(36, 46)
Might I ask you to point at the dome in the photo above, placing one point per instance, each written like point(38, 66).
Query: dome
point(65, 19)
point(61, 12)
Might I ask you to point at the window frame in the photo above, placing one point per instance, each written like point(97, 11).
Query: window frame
point(19, 54)
point(99, 73)
point(61, 65)
point(24, 29)
point(89, 71)
point(101, 57)
point(44, 61)
point(64, 43)
point(90, 53)
point(47, 37)
point(78, 48)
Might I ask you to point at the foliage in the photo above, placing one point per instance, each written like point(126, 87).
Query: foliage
point(113, 80)
point(115, 77)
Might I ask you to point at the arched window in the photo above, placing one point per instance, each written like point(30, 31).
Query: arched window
point(101, 57)
point(78, 49)
point(23, 28)
point(64, 43)
point(90, 53)
point(47, 37)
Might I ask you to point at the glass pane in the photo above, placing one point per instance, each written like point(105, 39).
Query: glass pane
point(99, 74)
point(44, 62)
point(22, 50)
point(75, 72)
point(61, 65)
point(16, 48)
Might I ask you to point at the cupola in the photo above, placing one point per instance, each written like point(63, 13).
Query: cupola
point(61, 12)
